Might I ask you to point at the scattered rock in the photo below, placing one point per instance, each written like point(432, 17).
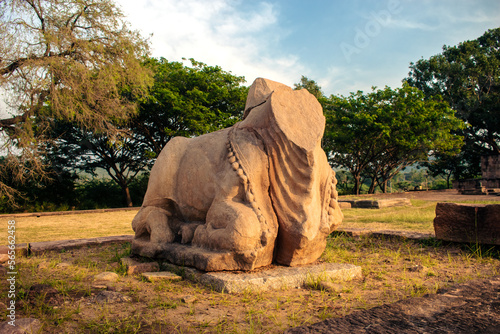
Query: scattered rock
point(416, 268)
point(99, 286)
point(188, 299)
point(106, 276)
point(161, 276)
point(4, 258)
point(135, 267)
point(111, 297)
point(22, 326)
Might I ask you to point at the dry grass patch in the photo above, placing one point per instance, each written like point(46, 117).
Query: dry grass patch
point(73, 226)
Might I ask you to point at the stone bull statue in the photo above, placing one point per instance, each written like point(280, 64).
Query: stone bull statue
point(239, 198)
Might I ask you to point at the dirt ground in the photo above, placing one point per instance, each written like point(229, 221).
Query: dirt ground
point(472, 307)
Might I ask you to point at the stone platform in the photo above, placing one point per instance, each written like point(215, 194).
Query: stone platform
point(374, 204)
point(275, 278)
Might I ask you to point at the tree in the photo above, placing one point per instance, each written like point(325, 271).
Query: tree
point(78, 149)
point(311, 86)
point(73, 60)
point(468, 77)
point(382, 132)
point(183, 101)
point(187, 101)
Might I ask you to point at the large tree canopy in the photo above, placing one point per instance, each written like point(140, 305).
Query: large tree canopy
point(381, 132)
point(183, 101)
point(73, 60)
point(468, 77)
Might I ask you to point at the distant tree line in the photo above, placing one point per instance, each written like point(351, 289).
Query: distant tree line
point(86, 96)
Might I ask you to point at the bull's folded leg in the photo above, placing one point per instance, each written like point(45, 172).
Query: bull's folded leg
point(233, 226)
point(152, 231)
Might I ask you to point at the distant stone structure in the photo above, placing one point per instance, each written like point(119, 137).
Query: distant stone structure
point(243, 197)
point(488, 184)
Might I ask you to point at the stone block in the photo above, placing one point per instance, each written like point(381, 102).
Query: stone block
point(345, 204)
point(135, 267)
point(387, 203)
point(280, 277)
point(473, 223)
point(161, 276)
point(21, 249)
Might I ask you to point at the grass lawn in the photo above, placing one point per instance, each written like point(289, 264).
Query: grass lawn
point(74, 226)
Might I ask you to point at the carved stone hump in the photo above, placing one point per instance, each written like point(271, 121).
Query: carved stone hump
point(239, 198)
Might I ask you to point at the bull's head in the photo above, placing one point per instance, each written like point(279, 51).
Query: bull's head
point(291, 125)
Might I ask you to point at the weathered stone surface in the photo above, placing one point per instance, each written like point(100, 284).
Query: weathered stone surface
point(239, 198)
point(280, 277)
point(22, 326)
point(161, 276)
point(345, 205)
point(472, 307)
point(375, 204)
point(4, 258)
point(468, 223)
point(106, 276)
point(135, 267)
point(21, 249)
point(188, 299)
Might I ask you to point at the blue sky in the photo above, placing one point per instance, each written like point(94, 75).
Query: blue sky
point(344, 45)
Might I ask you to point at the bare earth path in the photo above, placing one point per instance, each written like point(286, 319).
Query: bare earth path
point(472, 307)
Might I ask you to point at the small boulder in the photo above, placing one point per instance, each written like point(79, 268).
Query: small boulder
point(106, 276)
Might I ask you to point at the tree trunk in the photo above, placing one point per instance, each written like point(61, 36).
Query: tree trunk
point(371, 190)
point(356, 184)
point(126, 195)
point(384, 187)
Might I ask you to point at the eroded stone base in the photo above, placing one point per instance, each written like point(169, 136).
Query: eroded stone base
point(203, 259)
point(273, 279)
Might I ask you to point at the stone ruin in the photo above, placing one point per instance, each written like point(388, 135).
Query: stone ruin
point(489, 184)
point(259, 192)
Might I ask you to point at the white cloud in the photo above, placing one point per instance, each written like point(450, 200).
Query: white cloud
point(216, 32)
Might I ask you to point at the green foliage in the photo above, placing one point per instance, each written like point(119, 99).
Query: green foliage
point(468, 78)
point(71, 61)
point(187, 101)
point(122, 157)
point(311, 86)
point(379, 133)
point(54, 192)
